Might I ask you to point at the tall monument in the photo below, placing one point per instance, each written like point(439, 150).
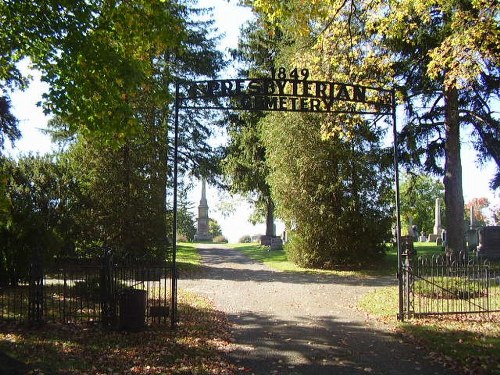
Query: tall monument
point(202, 230)
point(437, 218)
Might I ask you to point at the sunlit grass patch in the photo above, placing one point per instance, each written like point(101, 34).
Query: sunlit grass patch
point(188, 258)
point(278, 260)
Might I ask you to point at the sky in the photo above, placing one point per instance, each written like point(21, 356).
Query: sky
point(228, 18)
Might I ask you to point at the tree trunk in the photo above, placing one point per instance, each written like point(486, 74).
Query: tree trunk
point(270, 218)
point(453, 193)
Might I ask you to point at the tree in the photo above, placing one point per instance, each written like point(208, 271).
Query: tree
point(495, 213)
point(124, 179)
point(333, 193)
point(444, 58)
point(418, 194)
point(245, 162)
point(8, 130)
point(94, 55)
point(214, 228)
point(479, 206)
point(40, 202)
point(8, 123)
point(448, 61)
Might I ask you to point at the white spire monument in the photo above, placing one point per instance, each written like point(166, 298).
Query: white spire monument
point(202, 233)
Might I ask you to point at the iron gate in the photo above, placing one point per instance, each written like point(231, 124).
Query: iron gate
point(438, 284)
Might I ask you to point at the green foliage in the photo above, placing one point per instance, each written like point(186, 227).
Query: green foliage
point(214, 228)
point(418, 195)
point(8, 123)
point(244, 165)
point(444, 62)
point(120, 193)
point(39, 214)
point(245, 239)
point(219, 239)
point(333, 194)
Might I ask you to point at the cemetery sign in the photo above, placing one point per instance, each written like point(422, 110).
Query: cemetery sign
point(292, 92)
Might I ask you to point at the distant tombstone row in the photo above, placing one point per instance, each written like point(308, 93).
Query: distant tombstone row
point(484, 241)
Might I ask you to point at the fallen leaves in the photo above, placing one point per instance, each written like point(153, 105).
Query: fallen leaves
point(197, 346)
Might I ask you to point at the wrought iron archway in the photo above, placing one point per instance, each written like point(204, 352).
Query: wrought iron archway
point(285, 91)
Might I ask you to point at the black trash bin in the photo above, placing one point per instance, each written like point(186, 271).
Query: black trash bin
point(132, 309)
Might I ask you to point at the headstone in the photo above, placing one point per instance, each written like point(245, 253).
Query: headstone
point(407, 246)
point(489, 243)
point(202, 233)
point(471, 239)
point(422, 238)
point(274, 242)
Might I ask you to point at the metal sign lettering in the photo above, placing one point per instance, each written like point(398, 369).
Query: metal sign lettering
point(282, 93)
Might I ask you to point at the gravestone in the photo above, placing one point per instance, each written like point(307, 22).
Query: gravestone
point(489, 243)
point(274, 242)
point(471, 234)
point(407, 246)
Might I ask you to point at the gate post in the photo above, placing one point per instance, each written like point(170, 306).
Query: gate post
point(108, 302)
point(35, 300)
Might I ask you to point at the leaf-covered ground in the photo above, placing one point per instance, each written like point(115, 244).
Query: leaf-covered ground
point(468, 343)
point(197, 346)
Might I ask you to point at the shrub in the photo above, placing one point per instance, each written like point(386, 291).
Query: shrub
point(245, 239)
point(182, 238)
point(219, 239)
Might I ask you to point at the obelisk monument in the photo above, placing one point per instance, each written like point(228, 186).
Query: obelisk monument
point(202, 230)
point(437, 218)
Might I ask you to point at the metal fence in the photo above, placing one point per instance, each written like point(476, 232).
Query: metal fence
point(437, 285)
point(84, 291)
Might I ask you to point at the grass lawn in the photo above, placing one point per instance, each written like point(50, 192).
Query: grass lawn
point(471, 343)
point(278, 260)
point(188, 259)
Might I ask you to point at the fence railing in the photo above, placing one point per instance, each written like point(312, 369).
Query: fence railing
point(85, 291)
point(436, 285)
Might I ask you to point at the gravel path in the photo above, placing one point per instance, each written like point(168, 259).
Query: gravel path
point(294, 323)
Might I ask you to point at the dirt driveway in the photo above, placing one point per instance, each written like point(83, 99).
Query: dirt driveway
point(293, 323)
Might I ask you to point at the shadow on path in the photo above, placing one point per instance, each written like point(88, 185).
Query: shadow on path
point(298, 323)
point(323, 345)
point(229, 264)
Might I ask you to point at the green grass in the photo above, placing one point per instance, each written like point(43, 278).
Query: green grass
point(389, 264)
point(278, 259)
point(188, 258)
